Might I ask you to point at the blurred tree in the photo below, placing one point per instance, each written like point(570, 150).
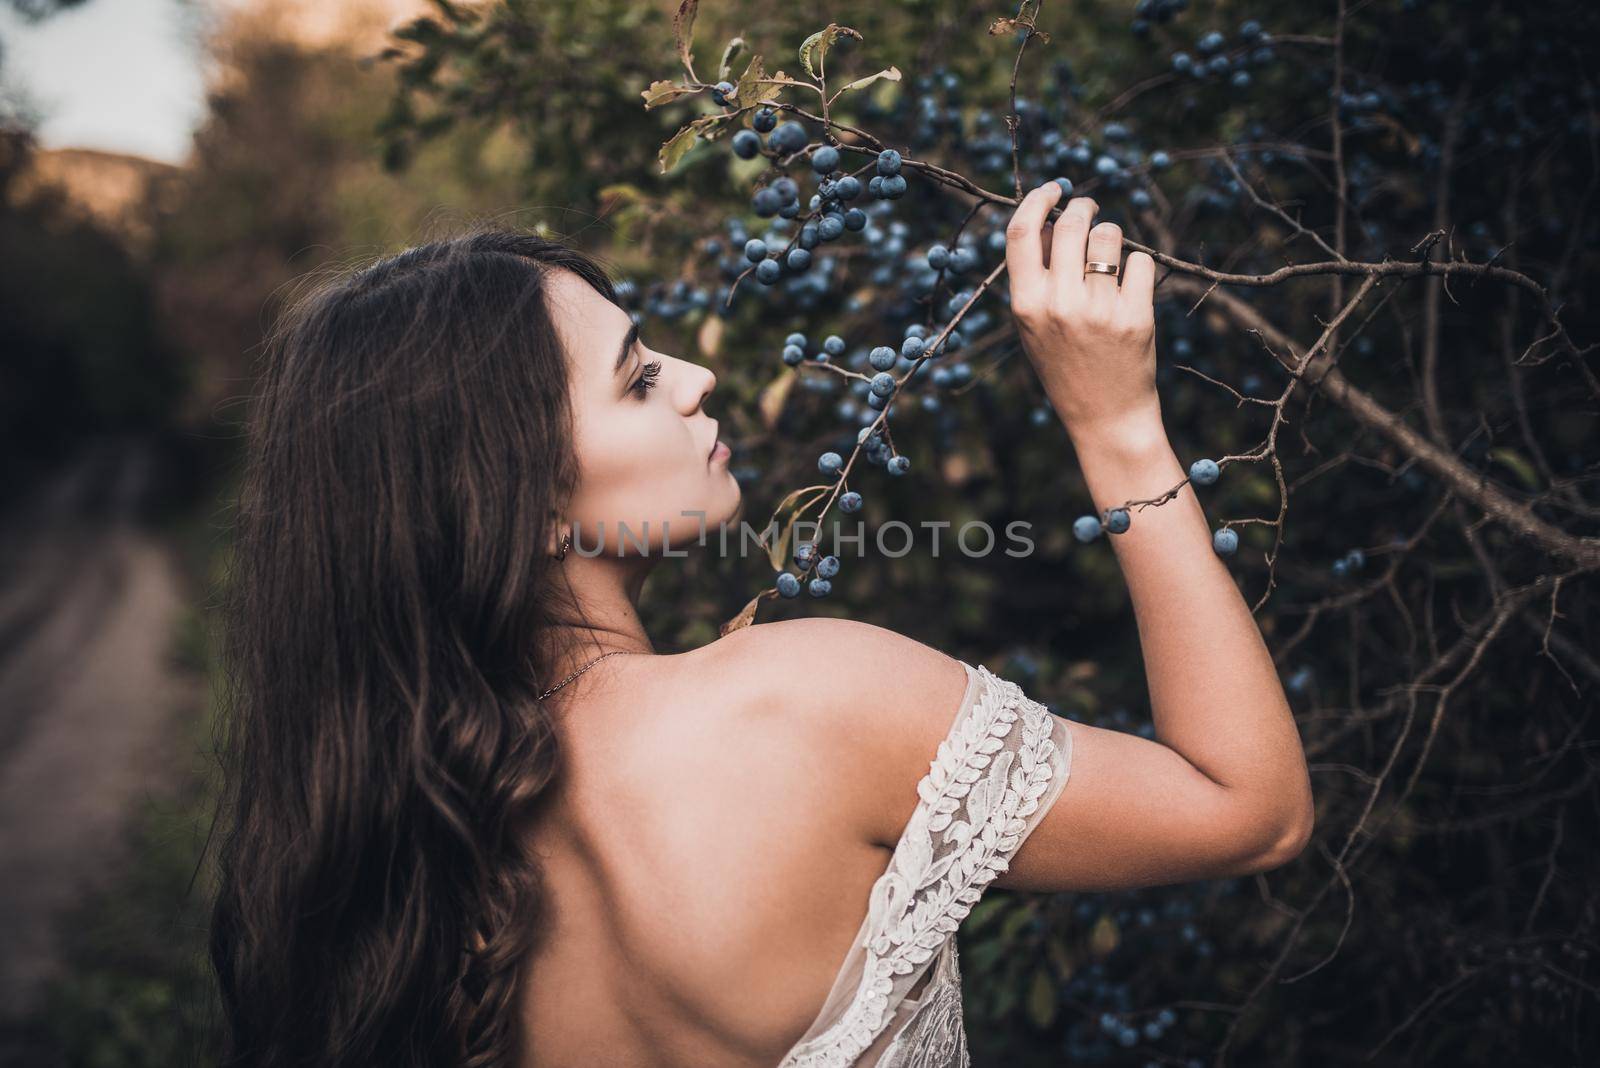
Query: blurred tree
point(285, 177)
point(83, 352)
point(554, 74)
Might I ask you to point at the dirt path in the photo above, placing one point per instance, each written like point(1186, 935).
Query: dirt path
point(87, 699)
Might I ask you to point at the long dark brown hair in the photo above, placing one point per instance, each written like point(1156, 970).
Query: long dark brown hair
point(383, 745)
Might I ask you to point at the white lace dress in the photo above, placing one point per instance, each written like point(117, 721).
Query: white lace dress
point(896, 1002)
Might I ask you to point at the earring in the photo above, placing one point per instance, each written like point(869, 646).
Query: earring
point(566, 543)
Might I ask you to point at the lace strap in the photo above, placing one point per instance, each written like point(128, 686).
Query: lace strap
point(998, 770)
point(989, 776)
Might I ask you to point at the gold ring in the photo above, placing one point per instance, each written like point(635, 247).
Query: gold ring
point(1096, 267)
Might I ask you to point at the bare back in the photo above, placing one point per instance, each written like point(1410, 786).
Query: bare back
point(703, 883)
point(729, 815)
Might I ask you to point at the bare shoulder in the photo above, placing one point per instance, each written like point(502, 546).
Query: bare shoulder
point(840, 673)
point(847, 718)
point(864, 703)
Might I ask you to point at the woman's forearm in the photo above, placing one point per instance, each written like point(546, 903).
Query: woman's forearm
point(1214, 691)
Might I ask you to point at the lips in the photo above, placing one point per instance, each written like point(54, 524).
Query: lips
point(713, 450)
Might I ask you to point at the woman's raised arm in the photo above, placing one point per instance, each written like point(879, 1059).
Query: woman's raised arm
point(1223, 788)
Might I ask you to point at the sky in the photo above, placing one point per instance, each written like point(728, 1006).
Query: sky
point(119, 75)
point(129, 75)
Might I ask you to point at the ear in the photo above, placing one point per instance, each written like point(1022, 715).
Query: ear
point(560, 531)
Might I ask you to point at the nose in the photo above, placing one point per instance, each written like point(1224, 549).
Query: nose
point(702, 380)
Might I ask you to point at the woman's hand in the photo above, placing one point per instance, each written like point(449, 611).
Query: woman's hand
point(1091, 340)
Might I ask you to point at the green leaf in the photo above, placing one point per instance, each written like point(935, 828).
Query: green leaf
point(1011, 927)
point(1059, 956)
point(735, 46)
point(1518, 464)
point(678, 144)
point(816, 46)
point(983, 957)
point(1042, 1001)
point(891, 74)
point(981, 913)
point(1005, 999)
point(705, 126)
point(683, 30)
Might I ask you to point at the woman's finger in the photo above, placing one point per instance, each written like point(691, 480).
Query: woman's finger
point(1067, 244)
point(1024, 243)
point(1104, 246)
point(1138, 279)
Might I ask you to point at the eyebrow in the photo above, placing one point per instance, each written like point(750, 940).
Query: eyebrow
point(627, 347)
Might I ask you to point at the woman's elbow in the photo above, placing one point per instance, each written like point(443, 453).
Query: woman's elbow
point(1278, 830)
point(1293, 838)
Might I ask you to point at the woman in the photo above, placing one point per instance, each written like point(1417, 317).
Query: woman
point(475, 817)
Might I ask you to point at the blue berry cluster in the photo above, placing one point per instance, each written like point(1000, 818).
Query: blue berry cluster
point(920, 273)
point(831, 465)
point(823, 569)
point(1155, 12)
point(1214, 60)
point(1351, 561)
point(1202, 472)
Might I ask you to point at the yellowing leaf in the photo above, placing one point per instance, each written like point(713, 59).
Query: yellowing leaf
point(621, 193)
point(747, 614)
point(773, 396)
point(662, 92)
point(1104, 937)
point(750, 90)
point(683, 30)
point(1011, 25)
point(783, 520)
point(710, 335)
point(1260, 490)
point(735, 46)
point(1518, 464)
point(816, 46)
point(1042, 1000)
point(756, 87)
point(891, 74)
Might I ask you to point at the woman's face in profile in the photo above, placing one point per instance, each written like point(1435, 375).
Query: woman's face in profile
point(648, 456)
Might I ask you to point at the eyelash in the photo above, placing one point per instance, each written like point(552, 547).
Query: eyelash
point(647, 378)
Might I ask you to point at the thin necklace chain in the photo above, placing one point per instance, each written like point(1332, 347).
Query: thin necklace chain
point(580, 671)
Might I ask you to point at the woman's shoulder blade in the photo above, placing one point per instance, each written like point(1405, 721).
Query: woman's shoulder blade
point(866, 703)
point(831, 667)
